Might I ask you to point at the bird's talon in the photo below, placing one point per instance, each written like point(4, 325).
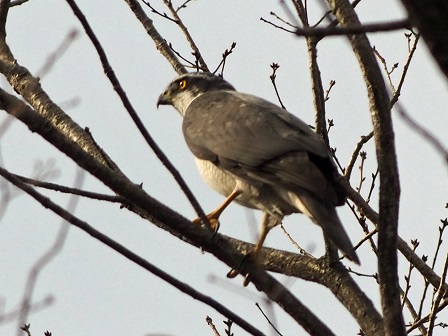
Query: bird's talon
point(213, 223)
point(252, 257)
point(233, 273)
point(246, 281)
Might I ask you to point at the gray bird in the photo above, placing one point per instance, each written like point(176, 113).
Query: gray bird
point(259, 155)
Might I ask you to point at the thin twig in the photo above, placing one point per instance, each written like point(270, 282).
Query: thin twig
point(327, 92)
point(277, 26)
point(190, 63)
point(184, 5)
point(273, 76)
point(283, 20)
point(441, 292)
point(70, 190)
point(373, 276)
point(363, 156)
point(196, 52)
point(369, 234)
point(425, 319)
point(267, 319)
point(296, 245)
point(355, 155)
point(438, 146)
point(48, 256)
point(33, 308)
point(58, 53)
point(372, 185)
point(209, 321)
point(155, 11)
point(386, 68)
point(433, 264)
point(397, 92)
point(225, 54)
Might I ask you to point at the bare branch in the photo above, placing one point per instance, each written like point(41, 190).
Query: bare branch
point(441, 292)
point(277, 26)
point(387, 165)
point(353, 29)
point(49, 255)
point(427, 135)
point(70, 190)
point(355, 155)
point(273, 76)
point(397, 92)
point(66, 215)
point(203, 66)
point(267, 319)
point(34, 307)
point(225, 54)
point(209, 321)
point(155, 11)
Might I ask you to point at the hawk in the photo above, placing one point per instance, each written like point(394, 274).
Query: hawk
point(259, 155)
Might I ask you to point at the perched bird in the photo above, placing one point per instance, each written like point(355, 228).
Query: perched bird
point(258, 155)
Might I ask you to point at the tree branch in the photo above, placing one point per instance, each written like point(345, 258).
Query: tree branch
point(353, 29)
point(387, 165)
point(66, 215)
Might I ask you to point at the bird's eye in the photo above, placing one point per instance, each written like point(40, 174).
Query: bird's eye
point(183, 84)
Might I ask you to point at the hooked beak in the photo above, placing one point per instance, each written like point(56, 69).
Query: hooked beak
point(164, 99)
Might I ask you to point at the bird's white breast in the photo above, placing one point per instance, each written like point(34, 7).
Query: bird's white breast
point(219, 180)
point(225, 183)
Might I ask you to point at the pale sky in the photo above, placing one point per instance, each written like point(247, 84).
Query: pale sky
point(98, 292)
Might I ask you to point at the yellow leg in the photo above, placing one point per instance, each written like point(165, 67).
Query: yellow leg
point(213, 216)
point(265, 228)
point(263, 234)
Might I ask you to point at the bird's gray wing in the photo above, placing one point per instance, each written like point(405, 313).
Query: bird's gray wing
point(244, 128)
point(249, 136)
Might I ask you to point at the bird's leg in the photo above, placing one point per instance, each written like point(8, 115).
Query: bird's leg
point(255, 254)
point(213, 216)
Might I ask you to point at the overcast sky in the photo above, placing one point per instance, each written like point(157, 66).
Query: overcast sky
point(98, 292)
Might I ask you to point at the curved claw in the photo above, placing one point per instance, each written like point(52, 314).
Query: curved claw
point(212, 220)
point(213, 217)
point(253, 257)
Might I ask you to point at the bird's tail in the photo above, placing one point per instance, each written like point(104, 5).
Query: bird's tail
point(326, 217)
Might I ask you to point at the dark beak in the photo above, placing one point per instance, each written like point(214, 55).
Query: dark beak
point(164, 99)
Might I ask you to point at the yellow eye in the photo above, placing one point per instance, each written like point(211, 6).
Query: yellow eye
point(183, 84)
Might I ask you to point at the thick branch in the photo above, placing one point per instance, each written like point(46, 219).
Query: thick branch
point(332, 275)
point(354, 29)
point(29, 87)
point(66, 215)
point(387, 165)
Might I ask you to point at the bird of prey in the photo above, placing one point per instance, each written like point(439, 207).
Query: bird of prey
point(259, 155)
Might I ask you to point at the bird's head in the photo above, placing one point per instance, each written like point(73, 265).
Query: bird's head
point(184, 89)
